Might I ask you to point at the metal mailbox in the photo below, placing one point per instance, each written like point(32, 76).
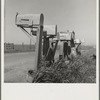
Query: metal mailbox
point(50, 29)
point(77, 41)
point(67, 35)
point(29, 20)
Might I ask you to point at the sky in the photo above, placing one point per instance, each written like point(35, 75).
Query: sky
point(73, 15)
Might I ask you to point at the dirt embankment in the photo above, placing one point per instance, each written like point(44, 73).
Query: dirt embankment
point(81, 69)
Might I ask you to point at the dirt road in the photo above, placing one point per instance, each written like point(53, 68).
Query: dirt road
point(16, 66)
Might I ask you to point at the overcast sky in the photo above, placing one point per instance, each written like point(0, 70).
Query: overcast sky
point(77, 15)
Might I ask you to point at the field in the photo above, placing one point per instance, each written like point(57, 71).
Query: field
point(16, 65)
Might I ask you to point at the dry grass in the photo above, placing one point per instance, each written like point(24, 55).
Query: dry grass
point(81, 70)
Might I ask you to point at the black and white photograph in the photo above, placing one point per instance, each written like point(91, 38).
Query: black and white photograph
point(50, 41)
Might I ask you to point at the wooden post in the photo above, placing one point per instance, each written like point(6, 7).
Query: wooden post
point(55, 47)
point(38, 47)
point(45, 45)
point(35, 21)
point(58, 38)
point(30, 44)
point(61, 50)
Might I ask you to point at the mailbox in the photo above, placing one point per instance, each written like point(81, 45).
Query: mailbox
point(77, 41)
point(65, 36)
point(29, 20)
point(50, 29)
